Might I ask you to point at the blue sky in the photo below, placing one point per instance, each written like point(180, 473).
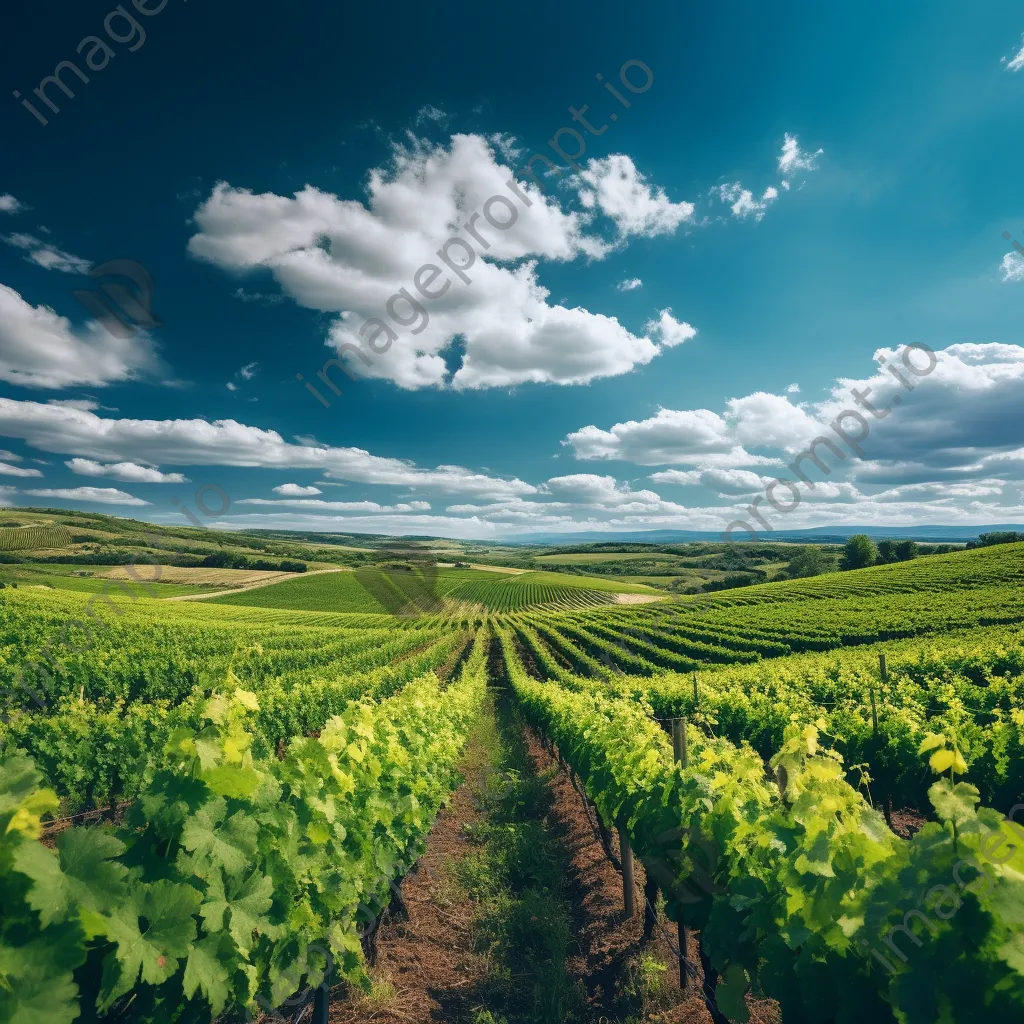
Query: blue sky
point(795, 194)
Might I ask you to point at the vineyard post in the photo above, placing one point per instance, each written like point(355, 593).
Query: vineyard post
point(695, 692)
point(626, 856)
point(679, 754)
point(883, 672)
point(679, 740)
point(322, 998)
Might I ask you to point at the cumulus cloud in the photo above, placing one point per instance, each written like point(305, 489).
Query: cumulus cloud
point(1012, 267)
point(793, 158)
point(1017, 61)
point(339, 506)
point(742, 202)
point(431, 113)
point(614, 186)
point(129, 472)
point(247, 372)
point(8, 470)
point(344, 257)
point(8, 204)
point(40, 349)
point(670, 330)
point(48, 256)
point(100, 495)
point(721, 480)
point(196, 442)
point(630, 284)
point(670, 437)
point(296, 491)
point(949, 448)
point(575, 492)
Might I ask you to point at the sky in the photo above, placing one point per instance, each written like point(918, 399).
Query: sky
point(594, 267)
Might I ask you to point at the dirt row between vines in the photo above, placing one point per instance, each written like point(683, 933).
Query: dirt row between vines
point(427, 967)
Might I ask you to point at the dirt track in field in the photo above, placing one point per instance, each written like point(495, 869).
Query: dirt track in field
point(426, 968)
point(254, 586)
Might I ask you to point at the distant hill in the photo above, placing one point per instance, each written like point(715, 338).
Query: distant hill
point(817, 535)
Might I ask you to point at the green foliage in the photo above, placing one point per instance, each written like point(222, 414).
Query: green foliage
point(809, 561)
point(31, 537)
point(793, 881)
point(233, 875)
point(859, 552)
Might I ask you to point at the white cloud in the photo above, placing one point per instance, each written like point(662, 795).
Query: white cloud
point(8, 204)
point(40, 349)
point(8, 470)
point(338, 506)
point(695, 437)
point(615, 187)
point(198, 442)
point(431, 113)
point(247, 372)
point(742, 202)
point(578, 491)
point(721, 480)
point(762, 419)
point(793, 158)
point(673, 332)
point(629, 284)
point(951, 450)
point(48, 256)
point(100, 495)
point(1012, 267)
point(1017, 61)
point(129, 472)
point(296, 491)
point(265, 300)
point(942, 491)
point(793, 389)
point(86, 404)
point(344, 257)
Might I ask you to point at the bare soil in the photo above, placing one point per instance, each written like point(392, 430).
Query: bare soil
point(426, 968)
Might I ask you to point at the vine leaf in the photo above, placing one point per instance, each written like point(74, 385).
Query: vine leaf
point(165, 908)
point(205, 971)
point(83, 874)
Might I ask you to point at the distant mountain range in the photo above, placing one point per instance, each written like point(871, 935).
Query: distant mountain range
point(817, 535)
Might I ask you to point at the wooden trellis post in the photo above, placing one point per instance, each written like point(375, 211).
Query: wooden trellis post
point(679, 753)
point(883, 672)
point(628, 889)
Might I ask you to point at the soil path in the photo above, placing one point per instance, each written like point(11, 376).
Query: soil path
point(426, 968)
point(252, 586)
point(424, 954)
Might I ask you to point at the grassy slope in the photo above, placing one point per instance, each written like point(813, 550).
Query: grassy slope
point(602, 583)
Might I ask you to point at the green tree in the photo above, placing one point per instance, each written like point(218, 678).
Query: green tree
point(906, 550)
point(887, 551)
point(859, 551)
point(808, 561)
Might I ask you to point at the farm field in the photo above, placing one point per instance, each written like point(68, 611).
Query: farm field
point(255, 777)
point(484, 589)
point(211, 577)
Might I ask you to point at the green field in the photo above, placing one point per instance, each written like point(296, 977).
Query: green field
point(343, 592)
point(588, 558)
point(289, 747)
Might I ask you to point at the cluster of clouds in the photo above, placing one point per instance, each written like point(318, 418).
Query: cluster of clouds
point(951, 451)
point(347, 258)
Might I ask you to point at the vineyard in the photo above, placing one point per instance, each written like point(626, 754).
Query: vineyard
point(26, 538)
point(205, 807)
